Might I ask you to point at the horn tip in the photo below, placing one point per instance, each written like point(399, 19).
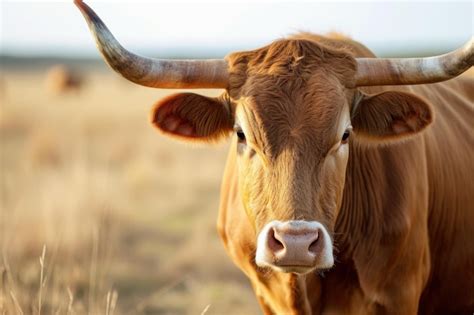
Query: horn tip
point(79, 3)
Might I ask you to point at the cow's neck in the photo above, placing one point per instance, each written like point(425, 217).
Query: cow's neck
point(288, 293)
point(361, 213)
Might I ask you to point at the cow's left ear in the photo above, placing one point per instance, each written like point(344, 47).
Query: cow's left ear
point(390, 115)
point(192, 117)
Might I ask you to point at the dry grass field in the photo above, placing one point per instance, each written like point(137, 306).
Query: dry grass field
point(99, 214)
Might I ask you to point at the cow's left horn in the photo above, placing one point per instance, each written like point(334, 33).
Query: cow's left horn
point(399, 71)
point(159, 73)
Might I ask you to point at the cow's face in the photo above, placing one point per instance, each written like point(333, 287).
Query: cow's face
point(293, 112)
point(292, 122)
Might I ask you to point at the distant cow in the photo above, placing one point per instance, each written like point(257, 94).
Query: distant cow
point(61, 79)
point(329, 158)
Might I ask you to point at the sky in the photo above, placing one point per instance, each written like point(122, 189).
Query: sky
point(214, 28)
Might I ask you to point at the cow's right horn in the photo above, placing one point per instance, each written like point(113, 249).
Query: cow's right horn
point(159, 73)
point(399, 71)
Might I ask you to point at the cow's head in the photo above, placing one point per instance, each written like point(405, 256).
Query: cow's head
point(293, 109)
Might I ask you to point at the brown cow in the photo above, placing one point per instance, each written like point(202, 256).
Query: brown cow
point(60, 79)
point(340, 196)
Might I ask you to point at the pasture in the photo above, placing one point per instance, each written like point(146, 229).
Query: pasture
point(99, 214)
point(102, 215)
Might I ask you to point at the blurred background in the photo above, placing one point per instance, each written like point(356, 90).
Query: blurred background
point(98, 213)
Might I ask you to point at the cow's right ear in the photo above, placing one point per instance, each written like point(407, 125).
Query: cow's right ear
point(192, 117)
point(390, 115)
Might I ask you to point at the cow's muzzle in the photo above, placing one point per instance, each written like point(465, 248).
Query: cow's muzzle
point(294, 246)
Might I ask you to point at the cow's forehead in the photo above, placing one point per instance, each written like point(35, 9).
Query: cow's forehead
point(293, 91)
point(283, 112)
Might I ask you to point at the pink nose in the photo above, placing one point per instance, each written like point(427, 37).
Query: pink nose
point(294, 245)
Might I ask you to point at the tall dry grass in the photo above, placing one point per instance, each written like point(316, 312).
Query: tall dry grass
point(100, 214)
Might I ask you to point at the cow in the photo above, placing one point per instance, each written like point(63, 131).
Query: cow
point(61, 79)
point(349, 184)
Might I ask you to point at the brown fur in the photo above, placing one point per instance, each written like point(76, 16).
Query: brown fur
point(401, 214)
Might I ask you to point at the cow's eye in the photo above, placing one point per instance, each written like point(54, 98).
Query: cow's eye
point(240, 134)
point(346, 135)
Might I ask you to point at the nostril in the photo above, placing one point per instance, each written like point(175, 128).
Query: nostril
point(274, 244)
point(313, 247)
